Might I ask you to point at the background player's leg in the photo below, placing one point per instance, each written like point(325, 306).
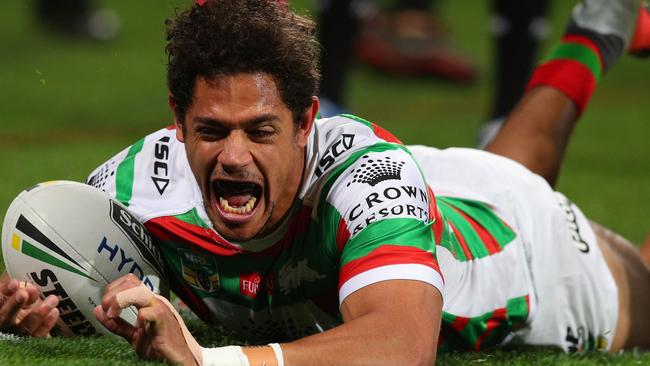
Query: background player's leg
point(337, 29)
point(520, 26)
point(632, 276)
point(595, 38)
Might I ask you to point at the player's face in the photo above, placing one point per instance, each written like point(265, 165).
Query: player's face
point(246, 152)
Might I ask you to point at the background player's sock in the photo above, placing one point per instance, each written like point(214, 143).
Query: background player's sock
point(596, 36)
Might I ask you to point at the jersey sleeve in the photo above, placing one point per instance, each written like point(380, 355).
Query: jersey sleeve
point(106, 176)
point(151, 177)
point(380, 200)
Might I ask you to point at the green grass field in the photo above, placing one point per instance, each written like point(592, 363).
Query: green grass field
point(68, 106)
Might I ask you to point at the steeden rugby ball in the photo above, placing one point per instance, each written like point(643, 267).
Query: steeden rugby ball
point(71, 240)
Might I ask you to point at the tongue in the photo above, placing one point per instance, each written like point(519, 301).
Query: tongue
point(237, 200)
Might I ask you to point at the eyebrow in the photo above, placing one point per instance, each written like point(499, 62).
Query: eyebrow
point(267, 117)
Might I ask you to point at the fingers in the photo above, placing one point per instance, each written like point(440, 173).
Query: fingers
point(39, 319)
point(116, 325)
point(124, 282)
point(9, 287)
point(151, 323)
point(109, 303)
point(109, 311)
point(22, 311)
point(34, 294)
point(153, 316)
point(139, 297)
point(48, 323)
point(12, 286)
point(143, 343)
point(159, 335)
point(15, 298)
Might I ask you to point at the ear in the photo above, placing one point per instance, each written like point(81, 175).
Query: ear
point(304, 129)
point(178, 123)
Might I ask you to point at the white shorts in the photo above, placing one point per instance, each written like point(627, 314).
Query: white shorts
point(577, 297)
point(573, 296)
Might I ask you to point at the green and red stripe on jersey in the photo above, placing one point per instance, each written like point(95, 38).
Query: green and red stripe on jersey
point(342, 234)
point(477, 232)
point(483, 331)
point(173, 229)
point(191, 229)
point(388, 242)
point(574, 67)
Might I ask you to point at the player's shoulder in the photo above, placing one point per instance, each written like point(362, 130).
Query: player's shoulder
point(152, 176)
point(361, 170)
point(338, 139)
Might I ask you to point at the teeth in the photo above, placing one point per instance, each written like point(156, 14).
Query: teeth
point(247, 208)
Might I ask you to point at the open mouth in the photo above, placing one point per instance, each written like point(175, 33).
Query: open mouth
point(237, 198)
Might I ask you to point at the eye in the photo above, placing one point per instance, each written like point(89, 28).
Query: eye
point(210, 133)
point(262, 133)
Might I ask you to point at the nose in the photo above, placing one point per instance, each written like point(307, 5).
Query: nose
point(236, 152)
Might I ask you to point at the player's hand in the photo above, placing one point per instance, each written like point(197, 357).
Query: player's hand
point(23, 312)
point(157, 334)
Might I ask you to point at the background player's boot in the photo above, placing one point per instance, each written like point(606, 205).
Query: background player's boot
point(640, 45)
point(412, 42)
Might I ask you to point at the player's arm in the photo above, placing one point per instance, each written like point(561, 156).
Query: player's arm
point(537, 132)
point(387, 323)
point(392, 322)
point(391, 293)
point(22, 311)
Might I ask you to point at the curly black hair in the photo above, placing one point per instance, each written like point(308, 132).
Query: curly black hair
point(225, 37)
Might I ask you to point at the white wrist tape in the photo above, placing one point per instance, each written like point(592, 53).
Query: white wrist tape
point(278, 353)
point(224, 356)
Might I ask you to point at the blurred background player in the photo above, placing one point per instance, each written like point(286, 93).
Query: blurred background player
point(77, 19)
point(407, 40)
point(412, 40)
point(518, 28)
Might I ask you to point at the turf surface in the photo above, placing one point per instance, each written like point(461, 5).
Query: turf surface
point(68, 106)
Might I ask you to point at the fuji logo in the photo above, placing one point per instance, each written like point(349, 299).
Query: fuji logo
point(375, 171)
